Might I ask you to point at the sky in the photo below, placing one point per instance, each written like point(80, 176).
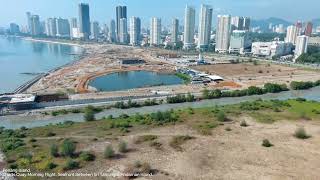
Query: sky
point(104, 10)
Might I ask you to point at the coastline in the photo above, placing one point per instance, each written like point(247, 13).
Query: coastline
point(55, 41)
point(25, 86)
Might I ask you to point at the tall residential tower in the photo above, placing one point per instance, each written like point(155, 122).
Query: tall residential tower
point(223, 33)
point(189, 27)
point(155, 31)
point(84, 20)
point(205, 22)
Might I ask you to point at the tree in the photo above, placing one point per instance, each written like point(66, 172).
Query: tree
point(68, 147)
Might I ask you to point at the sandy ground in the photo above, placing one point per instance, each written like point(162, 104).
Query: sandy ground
point(235, 154)
point(256, 75)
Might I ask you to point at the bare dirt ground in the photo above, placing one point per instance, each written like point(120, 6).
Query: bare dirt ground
point(248, 74)
point(235, 154)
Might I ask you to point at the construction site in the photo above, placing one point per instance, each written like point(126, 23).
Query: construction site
point(100, 60)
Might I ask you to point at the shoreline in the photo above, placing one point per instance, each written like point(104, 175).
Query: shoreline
point(53, 41)
point(25, 86)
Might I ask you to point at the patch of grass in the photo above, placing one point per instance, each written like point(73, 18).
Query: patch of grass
point(263, 118)
point(266, 143)
point(145, 138)
point(177, 141)
point(301, 133)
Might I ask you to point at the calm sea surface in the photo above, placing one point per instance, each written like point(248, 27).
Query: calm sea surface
point(19, 58)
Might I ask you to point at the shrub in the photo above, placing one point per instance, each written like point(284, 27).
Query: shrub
point(228, 129)
point(71, 164)
point(156, 145)
point(177, 141)
point(109, 152)
point(122, 146)
point(51, 165)
point(145, 138)
point(89, 115)
point(266, 143)
point(50, 134)
point(32, 140)
point(54, 150)
point(87, 156)
point(243, 123)
point(221, 116)
point(137, 169)
point(300, 133)
point(68, 147)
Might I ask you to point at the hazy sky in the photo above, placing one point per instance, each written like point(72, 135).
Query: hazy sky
point(104, 10)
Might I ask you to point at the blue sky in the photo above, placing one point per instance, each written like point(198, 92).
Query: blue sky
point(104, 10)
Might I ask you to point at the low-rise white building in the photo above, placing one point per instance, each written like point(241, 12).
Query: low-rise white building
point(270, 49)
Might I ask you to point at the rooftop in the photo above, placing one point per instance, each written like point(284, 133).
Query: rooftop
point(17, 98)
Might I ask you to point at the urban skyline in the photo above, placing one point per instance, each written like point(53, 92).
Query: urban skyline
point(98, 13)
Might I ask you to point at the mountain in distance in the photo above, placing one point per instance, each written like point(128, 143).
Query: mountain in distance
point(264, 23)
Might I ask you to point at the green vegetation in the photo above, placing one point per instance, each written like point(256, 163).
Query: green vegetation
point(122, 146)
point(295, 85)
point(266, 143)
point(186, 78)
point(87, 156)
point(301, 133)
point(68, 148)
point(89, 115)
point(181, 98)
point(177, 141)
point(31, 148)
point(109, 152)
point(312, 56)
point(145, 138)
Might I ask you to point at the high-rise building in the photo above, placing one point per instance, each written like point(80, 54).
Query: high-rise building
point(292, 34)
point(35, 25)
point(112, 31)
point(14, 28)
point(121, 12)
point(240, 42)
point(205, 22)
point(223, 33)
point(135, 30)
point(155, 31)
point(308, 29)
point(175, 30)
point(84, 20)
point(95, 29)
point(29, 26)
point(51, 27)
point(74, 30)
point(123, 31)
point(246, 23)
point(237, 23)
point(301, 46)
point(63, 27)
point(189, 27)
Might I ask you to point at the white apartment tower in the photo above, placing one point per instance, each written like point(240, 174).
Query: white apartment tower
point(205, 22)
point(95, 29)
point(292, 34)
point(134, 30)
point(155, 30)
point(301, 46)
point(175, 31)
point(223, 33)
point(189, 26)
point(123, 31)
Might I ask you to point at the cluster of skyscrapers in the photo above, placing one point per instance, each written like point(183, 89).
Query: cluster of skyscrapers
point(231, 34)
